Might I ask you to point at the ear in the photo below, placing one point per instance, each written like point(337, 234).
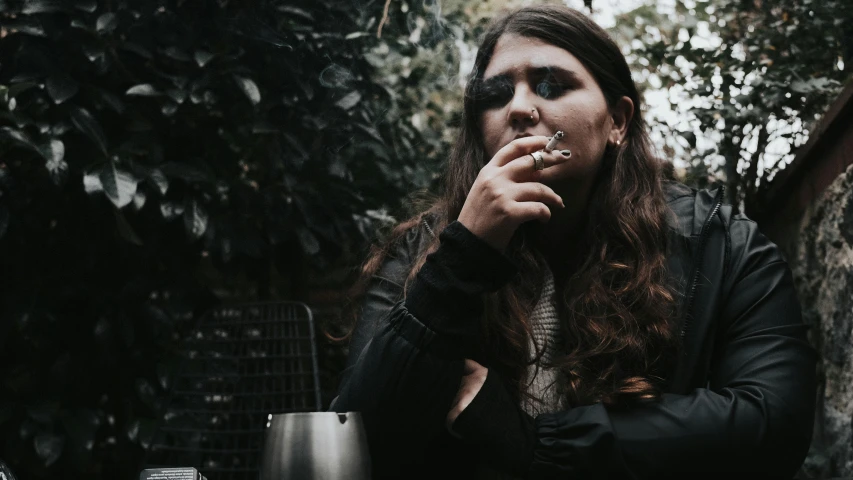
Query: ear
point(621, 113)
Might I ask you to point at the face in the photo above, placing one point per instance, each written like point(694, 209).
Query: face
point(526, 73)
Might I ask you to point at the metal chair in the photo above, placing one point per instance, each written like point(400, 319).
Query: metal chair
point(241, 364)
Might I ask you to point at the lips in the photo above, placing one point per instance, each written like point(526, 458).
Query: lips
point(522, 135)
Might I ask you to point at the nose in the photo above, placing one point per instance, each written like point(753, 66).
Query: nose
point(522, 109)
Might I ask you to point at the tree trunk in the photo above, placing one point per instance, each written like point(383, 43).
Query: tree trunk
point(751, 174)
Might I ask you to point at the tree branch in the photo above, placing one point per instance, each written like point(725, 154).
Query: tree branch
point(384, 19)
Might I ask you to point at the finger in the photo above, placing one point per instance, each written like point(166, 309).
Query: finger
point(471, 366)
point(527, 211)
point(536, 192)
point(523, 166)
point(518, 148)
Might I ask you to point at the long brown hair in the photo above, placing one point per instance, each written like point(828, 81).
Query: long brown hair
point(616, 308)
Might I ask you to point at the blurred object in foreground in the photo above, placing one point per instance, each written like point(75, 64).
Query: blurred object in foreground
point(315, 446)
point(171, 474)
point(5, 473)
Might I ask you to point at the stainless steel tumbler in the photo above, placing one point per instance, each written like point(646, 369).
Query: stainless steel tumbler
point(315, 445)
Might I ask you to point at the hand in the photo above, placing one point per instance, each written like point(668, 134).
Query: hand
point(507, 192)
point(473, 378)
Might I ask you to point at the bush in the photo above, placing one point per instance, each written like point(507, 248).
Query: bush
point(151, 152)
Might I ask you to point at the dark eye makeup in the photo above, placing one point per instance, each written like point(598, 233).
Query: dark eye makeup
point(497, 91)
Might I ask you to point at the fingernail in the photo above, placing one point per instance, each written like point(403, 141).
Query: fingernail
point(566, 153)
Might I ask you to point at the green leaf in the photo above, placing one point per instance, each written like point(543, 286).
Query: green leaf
point(92, 181)
point(350, 100)
point(86, 123)
point(94, 52)
point(61, 88)
point(262, 127)
point(20, 138)
point(177, 95)
point(77, 23)
point(176, 54)
point(249, 88)
point(142, 431)
point(195, 219)
point(159, 180)
point(41, 6)
point(309, 242)
point(56, 165)
point(297, 12)
point(88, 6)
point(186, 172)
point(25, 77)
point(106, 23)
point(125, 230)
point(143, 90)
point(812, 85)
point(26, 25)
point(202, 57)
point(139, 200)
point(49, 447)
point(169, 109)
point(16, 89)
point(119, 186)
point(171, 210)
point(146, 392)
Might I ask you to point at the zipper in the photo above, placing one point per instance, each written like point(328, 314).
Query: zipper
point(703, 237)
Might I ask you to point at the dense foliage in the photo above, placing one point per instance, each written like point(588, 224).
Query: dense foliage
point(153, 153)
point(747, 81)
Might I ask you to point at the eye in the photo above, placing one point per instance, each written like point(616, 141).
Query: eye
point(494, 94)
point(549, 88)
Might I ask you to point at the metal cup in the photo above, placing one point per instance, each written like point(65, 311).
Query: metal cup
point(315, 445)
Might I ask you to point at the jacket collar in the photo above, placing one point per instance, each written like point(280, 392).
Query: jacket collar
point(689, 206)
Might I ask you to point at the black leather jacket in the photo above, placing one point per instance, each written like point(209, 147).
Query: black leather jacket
point(741, 398)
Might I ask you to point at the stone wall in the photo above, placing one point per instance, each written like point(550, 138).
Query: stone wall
point(821, 257)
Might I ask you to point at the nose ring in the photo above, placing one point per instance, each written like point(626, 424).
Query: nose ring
point(532, 112)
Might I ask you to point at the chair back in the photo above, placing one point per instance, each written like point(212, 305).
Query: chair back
point(240, 365)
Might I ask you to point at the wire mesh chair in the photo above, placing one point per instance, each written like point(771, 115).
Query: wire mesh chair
point(241, 364)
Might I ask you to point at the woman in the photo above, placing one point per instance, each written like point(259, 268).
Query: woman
point(570, 313)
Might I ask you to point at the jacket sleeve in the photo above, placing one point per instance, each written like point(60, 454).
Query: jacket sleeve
point(406, 357)
point(755, 416)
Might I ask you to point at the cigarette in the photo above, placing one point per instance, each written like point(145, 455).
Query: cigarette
point(553, 142)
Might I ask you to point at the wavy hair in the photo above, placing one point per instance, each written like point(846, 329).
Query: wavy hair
point(617, 310)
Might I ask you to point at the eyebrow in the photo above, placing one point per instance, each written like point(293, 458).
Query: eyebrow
point(536, 71)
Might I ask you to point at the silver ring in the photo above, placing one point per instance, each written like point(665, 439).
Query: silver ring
point(538, 161)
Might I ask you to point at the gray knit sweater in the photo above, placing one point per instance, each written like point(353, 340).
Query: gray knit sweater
point(542, 380)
